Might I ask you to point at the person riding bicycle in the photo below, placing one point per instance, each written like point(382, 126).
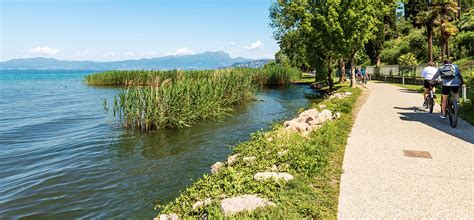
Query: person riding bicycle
point(427, 73)
point(363, 73)
point(452, 81)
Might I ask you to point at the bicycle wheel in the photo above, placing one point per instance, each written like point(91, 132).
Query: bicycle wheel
point(453, 113)
point(431, 104)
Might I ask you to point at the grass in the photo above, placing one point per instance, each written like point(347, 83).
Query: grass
point(315, 161)
point(173, 99)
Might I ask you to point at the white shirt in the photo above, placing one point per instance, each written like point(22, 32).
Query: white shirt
point(428, 72)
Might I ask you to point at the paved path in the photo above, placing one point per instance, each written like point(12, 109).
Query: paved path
point(379, 181)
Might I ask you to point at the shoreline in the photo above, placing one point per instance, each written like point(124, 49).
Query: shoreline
point(311, 163)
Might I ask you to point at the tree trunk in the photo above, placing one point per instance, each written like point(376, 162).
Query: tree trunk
point(353, 69)
point(442, 48)
point(378, 61)
point(342, 70)
point(429, 30)
point(447, 49)
point(330, 82)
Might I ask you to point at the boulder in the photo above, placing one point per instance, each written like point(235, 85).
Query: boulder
point(325, 115)
point(199, 204)
point(232, 159)
point(348, 93)
point(309, 113)
point(216, 167)
point(242, 203)
point(337, 115)
point(272, 175)
point(249, 159)
point(322, 107)
point(171, 216)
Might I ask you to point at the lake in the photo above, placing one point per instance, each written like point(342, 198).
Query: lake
point(61, 157)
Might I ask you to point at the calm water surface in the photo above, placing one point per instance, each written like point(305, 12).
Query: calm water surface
point(60, 158)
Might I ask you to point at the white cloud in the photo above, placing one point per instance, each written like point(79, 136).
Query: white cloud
point(254, 45)
point(232, 44)
point(82, 53)
point(181, 51)
point(44, 51)
point(109, 54)
point(129, 54)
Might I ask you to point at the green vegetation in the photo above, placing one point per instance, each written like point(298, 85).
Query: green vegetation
point(271, 74)
point(315, 161)
point(316, 35)
point(175, 99)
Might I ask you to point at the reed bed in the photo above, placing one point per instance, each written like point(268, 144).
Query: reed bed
point(176, 104)
point(269, 75)
point(174, 99)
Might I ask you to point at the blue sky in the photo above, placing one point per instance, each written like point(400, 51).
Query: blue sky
point(116, 29)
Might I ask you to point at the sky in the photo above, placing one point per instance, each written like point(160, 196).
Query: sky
point(105, 30)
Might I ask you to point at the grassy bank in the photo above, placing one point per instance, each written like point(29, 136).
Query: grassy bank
point(174, 99)
point(315, 161)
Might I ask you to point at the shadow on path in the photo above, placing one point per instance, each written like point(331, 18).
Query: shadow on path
point(463, 131)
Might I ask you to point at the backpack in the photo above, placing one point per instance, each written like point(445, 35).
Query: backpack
point(448, 71)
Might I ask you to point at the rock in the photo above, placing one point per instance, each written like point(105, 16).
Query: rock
point(274, 168)
point(232, 159)
point(171, 216)
point(309, 113)
point(199, 204)
point(294, 125)
point(242, 203)
point(337, 115)
point(281, 153)
point(322, 107)
point(325, 115)
point(348, 93)
point(272, 175)
point(215, 167)
point(249, 159)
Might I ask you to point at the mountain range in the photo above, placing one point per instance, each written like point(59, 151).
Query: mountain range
point(207, 60)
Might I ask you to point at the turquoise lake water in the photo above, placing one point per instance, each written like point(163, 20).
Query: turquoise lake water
point(60, 157)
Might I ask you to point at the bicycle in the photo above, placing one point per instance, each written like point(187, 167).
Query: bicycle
point(452, 110)
point(430, 100)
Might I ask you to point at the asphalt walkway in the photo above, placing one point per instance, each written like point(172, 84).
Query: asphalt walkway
point(402, 162)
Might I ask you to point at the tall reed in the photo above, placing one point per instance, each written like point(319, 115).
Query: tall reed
point(173, 99)
point(181, 103)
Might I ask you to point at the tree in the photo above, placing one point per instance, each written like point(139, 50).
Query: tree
point(386, 30)
point(447, 12)
point(428, 18)
point(358, 19)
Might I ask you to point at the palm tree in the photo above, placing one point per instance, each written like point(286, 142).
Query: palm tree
point(447, 12)
point(428, 18)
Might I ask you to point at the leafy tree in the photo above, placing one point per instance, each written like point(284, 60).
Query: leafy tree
point(408, 59)
point(358, 19)
point(386, 30)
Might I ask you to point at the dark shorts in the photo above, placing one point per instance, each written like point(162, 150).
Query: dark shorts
point(426, 84)
point(446, 89)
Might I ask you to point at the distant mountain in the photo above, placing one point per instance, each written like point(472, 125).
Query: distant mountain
point(207, 60)
point(252, 63)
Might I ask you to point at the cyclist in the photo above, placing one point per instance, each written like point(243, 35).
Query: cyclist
point(363, 73)
point(452, 80)
point(427, 73)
